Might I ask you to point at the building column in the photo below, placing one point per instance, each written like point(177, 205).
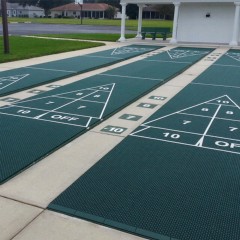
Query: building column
point(175, 23)
point(235, 35)
point(140, 12)
point(123, 23)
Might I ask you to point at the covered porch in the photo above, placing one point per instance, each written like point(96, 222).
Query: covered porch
point(195, 21)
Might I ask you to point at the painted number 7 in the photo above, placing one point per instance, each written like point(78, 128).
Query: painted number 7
point(186, 122)
point(233, 129)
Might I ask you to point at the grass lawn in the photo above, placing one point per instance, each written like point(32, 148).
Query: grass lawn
point(90, 36)
point(130, 24)
point(23, 48)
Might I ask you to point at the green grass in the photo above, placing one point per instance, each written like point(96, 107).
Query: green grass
point(130, 24)
point(90, 36)
point(24, 48)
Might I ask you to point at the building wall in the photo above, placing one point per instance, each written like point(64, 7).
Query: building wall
point(194, 26)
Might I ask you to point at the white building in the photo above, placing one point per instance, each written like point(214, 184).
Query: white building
point(16, 10)
point(197, 21)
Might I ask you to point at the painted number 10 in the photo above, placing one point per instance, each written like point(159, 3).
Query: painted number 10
point(169, 135)
point(116, 130)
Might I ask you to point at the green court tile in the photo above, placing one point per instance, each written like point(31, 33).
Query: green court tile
point(58, 116)
point(182, 54)
point(34, 75)
point(157, 71)
point(154, 71)
point(160, 184)
point(230, 58)
point(218, 75)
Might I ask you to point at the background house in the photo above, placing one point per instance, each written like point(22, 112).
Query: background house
point(16, 10)
point(89, 10)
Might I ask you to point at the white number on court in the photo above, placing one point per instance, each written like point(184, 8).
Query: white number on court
point(225, 102)
point(186, 122)
point(49, 102)
point(233, 129)
point(23, 111)
point(205, 109)
point(130, 117)
point(229, 112)
point(116, 130)
point(79, 94)
point(174, 136)
point(81, 107)
point(97, 96)
point(146, 105)
point(104, 88)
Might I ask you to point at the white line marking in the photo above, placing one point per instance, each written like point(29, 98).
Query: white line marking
point(227, 119)
point(47, 111)
point(165, 61)
point(225, 105)
point(195, 115)
point(186, 144)
point(200, 142)
point(113, 85)
point(89, 120)
point(45, 120)
point(174, 130)
point(60, 94)
point(122, 76)
point(222, 65)
point(145, 128)
point(14, 81)
point(184, 109)
point(48, 69)
point(179, 131)
point(233, 102)
point(213, 136)
point(53, 110)
point(83, 100)
point(229, 55)
point(215, 85)
point(103, 57)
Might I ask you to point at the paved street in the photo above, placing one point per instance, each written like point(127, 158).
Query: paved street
point(34, 28)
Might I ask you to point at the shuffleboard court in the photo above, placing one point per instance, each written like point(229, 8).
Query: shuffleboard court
point(177, 176)
point(224, 72)
point(58, 116)
point(163, 65)
point(27, 77)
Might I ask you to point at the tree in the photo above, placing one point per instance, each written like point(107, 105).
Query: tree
point(110, 12)
point(167, 10)
point(132, 11)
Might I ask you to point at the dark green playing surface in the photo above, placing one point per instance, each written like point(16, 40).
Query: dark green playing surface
point(39, 74)
point(177, 176)
point(43, 123)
